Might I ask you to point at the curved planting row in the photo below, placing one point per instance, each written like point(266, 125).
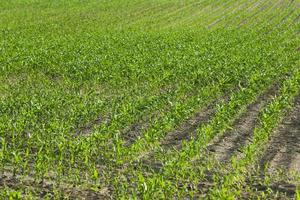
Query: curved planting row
point(148, 99)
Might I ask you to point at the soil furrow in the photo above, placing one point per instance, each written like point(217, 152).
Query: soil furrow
point(173, 140)
point(224, 147)
point(188, 128)
point(48, 188)
point(281, 190)
point(135, 130)
point(88, 128)
point(283, 150)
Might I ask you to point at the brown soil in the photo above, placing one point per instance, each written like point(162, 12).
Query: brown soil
point(46, 188)
point(88, 128)
point(185, 132)
point(282, 153)
point(280, 191)
point(283, 150)
point(174, 139)
point(188, 128)
point(134, 131)
point(224, 147)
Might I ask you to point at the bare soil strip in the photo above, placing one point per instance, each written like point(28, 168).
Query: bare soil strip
point(284, 148)
point(284, 190)
point(88, 128)
point(188, 128)
point(134, 131)
point(47, 187)
point(281, 190)
point(183, 133)
point(224, 147)
point(282, 153)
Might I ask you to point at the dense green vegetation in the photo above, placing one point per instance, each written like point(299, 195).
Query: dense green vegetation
point(92, 91)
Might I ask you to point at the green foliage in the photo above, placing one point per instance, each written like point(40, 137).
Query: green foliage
point(90, 89)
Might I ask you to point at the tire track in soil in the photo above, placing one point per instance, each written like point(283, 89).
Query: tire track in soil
point(135, 131)
point(224, 147)
point(283, 150)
